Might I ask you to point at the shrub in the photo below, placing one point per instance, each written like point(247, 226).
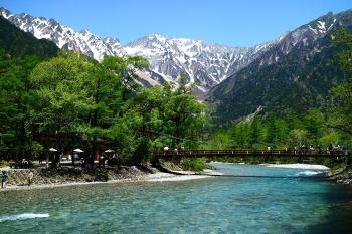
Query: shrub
point(197, 164)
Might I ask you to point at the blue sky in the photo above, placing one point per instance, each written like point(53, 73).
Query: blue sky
point(229, 22)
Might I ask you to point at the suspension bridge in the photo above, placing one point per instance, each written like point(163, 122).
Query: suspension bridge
point(250, 153)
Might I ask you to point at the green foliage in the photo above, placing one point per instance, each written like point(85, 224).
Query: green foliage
point(341, 117)
point(197, 164)
point(59, 94)
point(330, 138)
point(220, 140)
point(295, 130)
point(343, 42)
point(15, 100)
point(71, 101)
point(170, 118)
point(298, 137)
point(240, 135)
point(19, 54)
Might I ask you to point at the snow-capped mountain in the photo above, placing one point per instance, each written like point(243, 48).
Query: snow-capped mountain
point(205, 64)
point(202, 63)
point(63, 36)
point(305, 34)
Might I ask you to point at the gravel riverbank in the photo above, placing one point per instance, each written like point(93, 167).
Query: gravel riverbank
point(44, 178)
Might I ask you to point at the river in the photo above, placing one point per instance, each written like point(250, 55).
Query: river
point(276, 200)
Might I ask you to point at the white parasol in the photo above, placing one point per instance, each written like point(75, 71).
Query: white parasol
point(109, 151)
point(78, 151)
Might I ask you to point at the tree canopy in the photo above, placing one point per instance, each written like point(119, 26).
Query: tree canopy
point(71, 100)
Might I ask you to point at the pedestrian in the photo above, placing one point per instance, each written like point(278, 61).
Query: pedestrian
point(4, 178)
point(24, 163)
point(30, 178)
point(330, 149)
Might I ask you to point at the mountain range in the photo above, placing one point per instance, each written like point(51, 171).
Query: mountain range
point(204, 64)
point(294, 71)
point(297, 73)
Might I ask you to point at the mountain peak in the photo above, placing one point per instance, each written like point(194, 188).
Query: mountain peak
point(154, 37)
point(63, 36)
point(5, 13)
point(85, 32)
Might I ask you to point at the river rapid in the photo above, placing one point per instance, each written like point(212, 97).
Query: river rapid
point(262, 200)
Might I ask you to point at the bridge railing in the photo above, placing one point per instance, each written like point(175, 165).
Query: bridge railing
point(249, 152)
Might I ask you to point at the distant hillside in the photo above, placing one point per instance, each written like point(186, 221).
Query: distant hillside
point(300, 79)
point(17, 42)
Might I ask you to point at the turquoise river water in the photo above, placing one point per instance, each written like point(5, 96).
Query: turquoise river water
point(275, 200)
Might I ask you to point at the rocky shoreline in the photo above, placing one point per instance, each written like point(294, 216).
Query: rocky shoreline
point(47, 178)
point(69, 176)
point(342, 175)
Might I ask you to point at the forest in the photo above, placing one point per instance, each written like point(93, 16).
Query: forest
point(62, 99)
point(70, 100)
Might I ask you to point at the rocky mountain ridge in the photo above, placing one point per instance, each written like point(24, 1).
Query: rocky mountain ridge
point(204, 64)
point(296, 73)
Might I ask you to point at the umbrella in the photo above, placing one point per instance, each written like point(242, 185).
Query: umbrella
point(52, 150)
point(78, 151)
point(109, 151)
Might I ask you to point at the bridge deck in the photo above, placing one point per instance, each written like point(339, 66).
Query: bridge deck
point(249, 152)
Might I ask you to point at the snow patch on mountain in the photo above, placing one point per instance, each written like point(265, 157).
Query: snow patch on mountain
point(202, 63)
point(63, 36)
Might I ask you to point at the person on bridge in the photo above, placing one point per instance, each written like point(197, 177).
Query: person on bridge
point(166, 149)
point(30, 178)
point(330, 149)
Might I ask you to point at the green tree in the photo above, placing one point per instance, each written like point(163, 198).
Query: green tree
point(60, 95)
point(298, 137)
point(220, 140)
point(239, 134)
point(314, 121)
point(254, 132)
point(185, 117)
point(341, 117)
point(15, 100)
point(107, 86)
